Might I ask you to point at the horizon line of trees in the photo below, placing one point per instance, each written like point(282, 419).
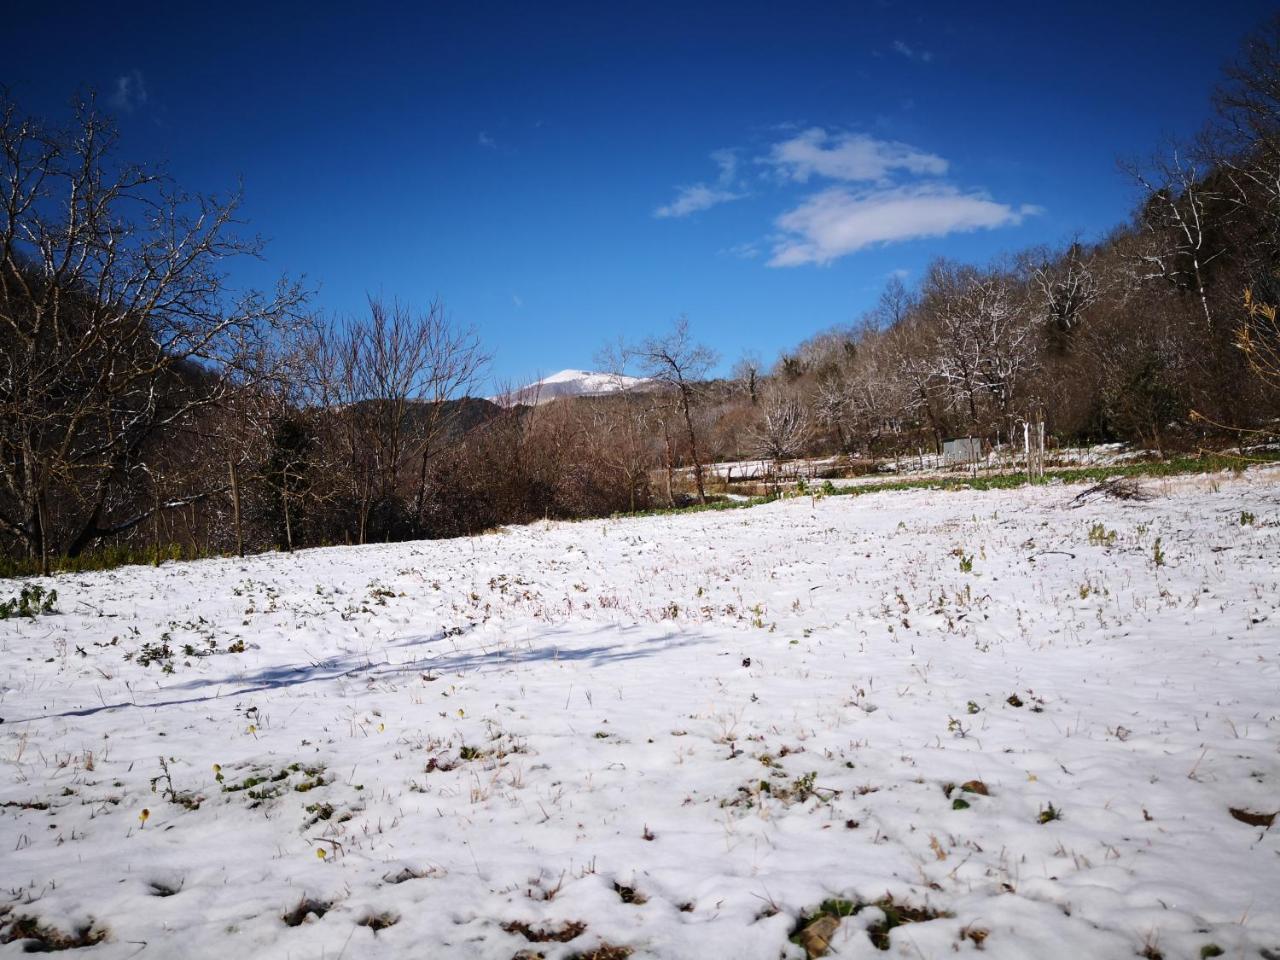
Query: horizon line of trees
point(147, 404)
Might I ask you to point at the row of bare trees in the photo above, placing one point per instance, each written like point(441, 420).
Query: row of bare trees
point(138, 387)
point(1161, 333)
point(147, 402)
point(118, 333)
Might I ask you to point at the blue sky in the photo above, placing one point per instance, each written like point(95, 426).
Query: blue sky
point(560, 175)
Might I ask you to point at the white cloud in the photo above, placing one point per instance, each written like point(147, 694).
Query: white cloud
point(749, 250)
point(485, 140)
point(850, 156)
point(911, 53)
point(693, 199)
point(516, 301)
point(727, 161)
point(839, 221)
point(701, 196)
point(884, 191)
point(130, 92)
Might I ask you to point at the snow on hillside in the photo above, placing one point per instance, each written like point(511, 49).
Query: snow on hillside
point(1009, 723)
point(572, 383)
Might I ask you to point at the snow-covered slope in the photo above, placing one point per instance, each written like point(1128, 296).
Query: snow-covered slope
point(1027, 719)
point(572, 383)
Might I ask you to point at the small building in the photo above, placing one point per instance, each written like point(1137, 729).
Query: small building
point(961, 451)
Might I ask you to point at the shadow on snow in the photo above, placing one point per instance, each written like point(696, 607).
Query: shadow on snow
point(542, 649)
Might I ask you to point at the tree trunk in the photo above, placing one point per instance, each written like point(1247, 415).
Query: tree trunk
point(235, 507)
point(666, 436)
point(288, 527)
point(693, 444)
point(89, 529)
point(44, 540)
point(422, 485)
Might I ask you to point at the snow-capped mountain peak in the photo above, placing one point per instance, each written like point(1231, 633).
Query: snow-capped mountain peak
point(571, 383)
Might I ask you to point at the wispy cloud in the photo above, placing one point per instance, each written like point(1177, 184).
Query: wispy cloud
point(854, 157)
point(130, 92)
point(694, 198)
point(703, 196)
point(839, 221)
point(517, 301)
point(743, 251)
point(869, 191)
point(485, 140)
point(727, 161)
point(912, 53)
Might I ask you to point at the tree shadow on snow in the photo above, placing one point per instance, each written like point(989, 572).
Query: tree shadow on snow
point(542, 649)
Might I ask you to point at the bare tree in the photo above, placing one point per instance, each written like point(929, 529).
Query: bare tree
point(783, 428)
point(117, 325)
point(893, 306)
point(454, 362)
point(1066, 287)
point(912, 360)
point(747, 373)
point(878, 398)
point(625, 425)
point(985, 339)
point(274, 431)
point(1244, 138)
point(678, 363)
point(1177, 218)
point(833, 407)
point(387, 378)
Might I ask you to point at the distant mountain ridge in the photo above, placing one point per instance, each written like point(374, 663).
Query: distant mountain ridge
point(571, 383)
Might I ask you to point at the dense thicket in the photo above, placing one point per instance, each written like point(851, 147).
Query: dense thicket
point(145, 404)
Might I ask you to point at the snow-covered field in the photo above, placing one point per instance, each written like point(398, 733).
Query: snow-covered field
point(676, 736)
